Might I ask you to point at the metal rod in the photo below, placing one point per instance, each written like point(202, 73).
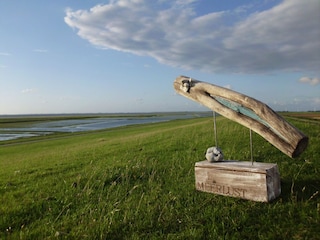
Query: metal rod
point(215, 128)
point(251, 148)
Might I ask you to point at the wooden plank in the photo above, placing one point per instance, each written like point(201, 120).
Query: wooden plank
point(265, 122)
point(258, 181)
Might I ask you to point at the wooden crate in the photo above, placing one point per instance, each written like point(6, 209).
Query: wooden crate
point(253, 181)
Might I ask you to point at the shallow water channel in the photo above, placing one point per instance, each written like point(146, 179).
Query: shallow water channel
point(88, 124)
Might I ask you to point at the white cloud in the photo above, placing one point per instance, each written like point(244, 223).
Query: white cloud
point(316, 100)
point(311, 81)
point(139, 100)
point(40, 50)
point(5, 54)
point(283, 38)
point(28, 90)
point(298, 103)
point(228, 86)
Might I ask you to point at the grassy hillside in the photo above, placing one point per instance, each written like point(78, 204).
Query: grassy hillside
point(137, 182)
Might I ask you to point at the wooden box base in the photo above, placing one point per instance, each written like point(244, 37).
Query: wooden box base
point(253, 181)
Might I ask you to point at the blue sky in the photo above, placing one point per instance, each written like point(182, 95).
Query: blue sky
point(92, 56)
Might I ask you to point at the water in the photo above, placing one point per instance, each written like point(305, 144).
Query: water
point(90, 124)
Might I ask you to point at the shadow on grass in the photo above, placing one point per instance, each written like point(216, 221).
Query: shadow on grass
point(300, 190)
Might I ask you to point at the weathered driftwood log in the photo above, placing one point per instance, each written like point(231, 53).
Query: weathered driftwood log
point(247, 111)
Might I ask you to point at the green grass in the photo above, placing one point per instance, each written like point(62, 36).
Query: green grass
point(137, 182)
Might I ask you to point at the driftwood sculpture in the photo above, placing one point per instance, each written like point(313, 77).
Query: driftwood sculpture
point(247, 111)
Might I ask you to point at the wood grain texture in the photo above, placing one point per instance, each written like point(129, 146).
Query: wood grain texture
point(258, 182)
point(271, 126)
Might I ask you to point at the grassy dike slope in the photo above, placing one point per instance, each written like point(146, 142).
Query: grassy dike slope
point(137, 182)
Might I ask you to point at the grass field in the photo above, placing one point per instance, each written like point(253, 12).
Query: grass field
point(137, 182)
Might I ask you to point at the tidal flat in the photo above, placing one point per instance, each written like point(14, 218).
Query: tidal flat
point(20, 127)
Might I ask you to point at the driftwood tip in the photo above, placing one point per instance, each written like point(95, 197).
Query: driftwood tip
point(301, 146)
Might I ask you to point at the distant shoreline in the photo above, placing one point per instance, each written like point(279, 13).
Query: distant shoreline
point(97, 114)
point(29, 126)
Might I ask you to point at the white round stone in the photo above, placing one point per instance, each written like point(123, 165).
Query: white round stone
point(214, 154)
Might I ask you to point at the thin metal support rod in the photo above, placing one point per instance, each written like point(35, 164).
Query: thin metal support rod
point(251, 148)
point(215, 128)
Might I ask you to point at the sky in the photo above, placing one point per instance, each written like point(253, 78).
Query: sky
point(88, 56)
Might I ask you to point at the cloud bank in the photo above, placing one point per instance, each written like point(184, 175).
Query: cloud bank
point(282, 38)
point(311, 81)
